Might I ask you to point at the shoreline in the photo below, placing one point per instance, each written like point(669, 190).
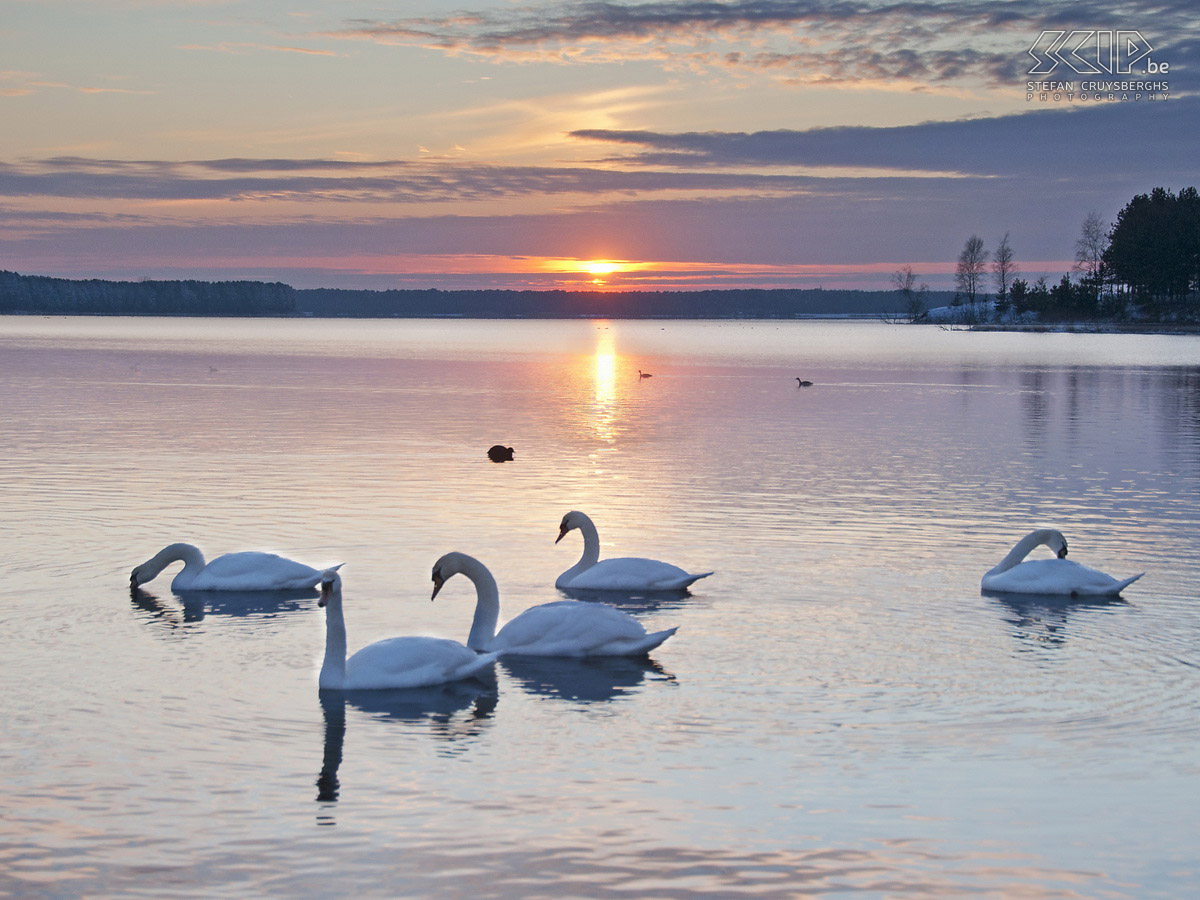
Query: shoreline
point(1181, 329)
point(1078, 327)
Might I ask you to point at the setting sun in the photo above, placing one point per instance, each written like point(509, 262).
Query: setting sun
point(601, 267)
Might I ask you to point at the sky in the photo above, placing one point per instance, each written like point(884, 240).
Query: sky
point(668, 145)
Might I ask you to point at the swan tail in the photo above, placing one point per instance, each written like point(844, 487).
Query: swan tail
point(484, 661)
point(691, 579)
point(1121, 585)
point(650, 641)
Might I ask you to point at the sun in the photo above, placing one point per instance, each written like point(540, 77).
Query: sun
point(601, 267)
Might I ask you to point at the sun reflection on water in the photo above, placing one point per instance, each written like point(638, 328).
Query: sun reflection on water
point(606, 401)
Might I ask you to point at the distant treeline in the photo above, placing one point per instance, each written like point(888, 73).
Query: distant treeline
point(93, 297)
point(62, 296)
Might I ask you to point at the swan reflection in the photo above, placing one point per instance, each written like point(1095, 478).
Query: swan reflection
point(333, 707)
point(240, 604)
point(594, 679)
point(633, 601)
point(1041, 619)
point(456, 713)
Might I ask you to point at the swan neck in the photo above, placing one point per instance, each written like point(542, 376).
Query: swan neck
point(192, 558)
point(591, 552)
point(1022, 549)
point(333, 668)
point(591, 544)
point(487, 605)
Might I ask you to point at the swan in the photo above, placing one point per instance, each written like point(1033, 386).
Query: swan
point(642, 374)
point(800, 382)
point(399, 662)
point(1049, 576)
point(629, 573)
point(563, 628)
point(251, 570)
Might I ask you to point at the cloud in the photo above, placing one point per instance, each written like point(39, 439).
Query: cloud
point(232, 164)
point(21, 84)
point(438, 180)
point(237, 48)
point(811, 41)
point(1105, 140)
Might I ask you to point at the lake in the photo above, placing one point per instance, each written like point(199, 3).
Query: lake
point(841, 711)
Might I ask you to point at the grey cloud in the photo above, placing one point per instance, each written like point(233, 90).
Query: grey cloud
point(918, 41)
point(427, 182)
point(233, 164)
point(1102, 140)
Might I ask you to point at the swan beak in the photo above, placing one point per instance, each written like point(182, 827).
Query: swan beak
point(1062, 554)
point(438, 581)
point(562, 533)
point(326, 590)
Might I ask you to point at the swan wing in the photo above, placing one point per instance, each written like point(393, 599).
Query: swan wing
point(403, 662)
point(632, 573)
point(254, 571)
point(1055, 576)
point(574, 628)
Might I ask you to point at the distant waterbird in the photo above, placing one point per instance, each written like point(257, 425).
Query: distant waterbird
point(800, 382)
point(642, 374)
point(498, 453)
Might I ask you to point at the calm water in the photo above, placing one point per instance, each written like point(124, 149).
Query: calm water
point(841, 711)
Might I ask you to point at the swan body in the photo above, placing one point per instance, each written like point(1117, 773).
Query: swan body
point(247, 571)
point(563, 628)
point(399, 662)
point(627, 573)
point(1016, 575)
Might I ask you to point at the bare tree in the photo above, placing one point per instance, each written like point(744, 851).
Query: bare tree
point(1089, 249)
point(972, 263)
point(1004, 271)
point(904, 280)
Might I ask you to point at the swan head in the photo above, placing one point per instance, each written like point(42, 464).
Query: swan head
point(446, 568)
point(1053, 538)
point(147, 571)
point(330, 581)
point(573, 519)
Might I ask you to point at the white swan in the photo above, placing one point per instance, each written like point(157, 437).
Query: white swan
point(399, 662)
point(248, 571)
point(627, 573)
point(1049, 576)
point(563, 628)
